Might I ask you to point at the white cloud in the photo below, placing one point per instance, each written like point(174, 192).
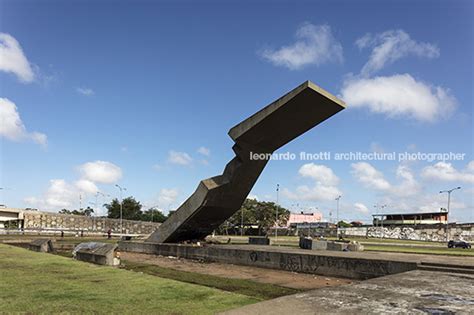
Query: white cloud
point(369, 176)
point(399, 95)
point(470, 166)
point(86, 186)
point(318, 192)
point(39, 138)
point(253, 197)
point(376, 147)
point(364, 41)
point(85, 91)
point(372, 178)
point(204, 151)
point(426, 203)
point(407, 195)
point(33, 202)
point(324, 187)
point(166, 197)
point(61, 194)
point(408, 185)
point(101, 172)
point(314, 44)
point(13, 60)
point(390, 46)
point(319, 173)
point(360, 207)
point(446, 172)
point(180, 158)
point(12, 127)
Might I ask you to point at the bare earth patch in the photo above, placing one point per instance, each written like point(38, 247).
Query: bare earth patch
point(276, 277)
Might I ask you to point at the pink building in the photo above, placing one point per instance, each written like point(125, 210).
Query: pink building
point(296, 218)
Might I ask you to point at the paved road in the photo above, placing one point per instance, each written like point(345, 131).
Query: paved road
point(412, 292)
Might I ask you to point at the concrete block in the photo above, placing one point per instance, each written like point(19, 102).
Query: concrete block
point(306, 243)
point(336, 246)
point(319, 245)
point(259, 240)
point(355, 247)
point(313, 244)
point(97, 253)
point(43, 245)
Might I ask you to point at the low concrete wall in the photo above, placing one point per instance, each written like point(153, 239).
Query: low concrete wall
point(44, 221)
point(304, 262)
point(103, 255)
point(41, 245)
point(433, 233)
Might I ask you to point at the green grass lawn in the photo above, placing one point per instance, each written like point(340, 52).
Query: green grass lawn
point(293, 240)
point(380, 244)
point(261, 291)
point(421, 250)
point(43, 284)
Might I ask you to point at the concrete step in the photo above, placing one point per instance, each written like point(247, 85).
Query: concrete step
point(446, 269)
point(437, 264)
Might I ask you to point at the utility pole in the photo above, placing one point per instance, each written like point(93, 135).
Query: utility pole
point(241, 221)
point(121, 207)
point(277, 206)
point(447, 214)
point(337, 216)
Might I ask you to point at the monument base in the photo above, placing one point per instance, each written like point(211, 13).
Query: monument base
point(354, 265)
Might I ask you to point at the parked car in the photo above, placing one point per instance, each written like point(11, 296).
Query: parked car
point(462, 244)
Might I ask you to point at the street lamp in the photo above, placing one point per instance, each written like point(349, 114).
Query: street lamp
point(337, 216)
point(99, 193)
point(447, 214)
point(241, 221)
point(121, 206)
point(276, 216)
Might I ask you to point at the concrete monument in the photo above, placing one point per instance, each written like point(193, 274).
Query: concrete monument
point(218, 198)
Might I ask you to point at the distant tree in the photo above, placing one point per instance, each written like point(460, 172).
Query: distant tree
point(132, 209)
point(86, 212)
point(260, 213)
point(343, 224)
point(64, 211)
point(154, 215)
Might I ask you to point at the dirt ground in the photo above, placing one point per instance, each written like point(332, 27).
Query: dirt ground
point(276, 277)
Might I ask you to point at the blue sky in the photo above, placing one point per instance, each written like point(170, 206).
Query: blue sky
point(142, 94)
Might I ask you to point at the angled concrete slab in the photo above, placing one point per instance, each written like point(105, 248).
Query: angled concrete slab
point(44, 245)
point(218, 198)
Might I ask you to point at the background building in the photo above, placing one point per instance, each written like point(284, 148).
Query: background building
point(410, 218)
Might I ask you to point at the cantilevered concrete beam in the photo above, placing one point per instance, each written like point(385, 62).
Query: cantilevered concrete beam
point(218, 198)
